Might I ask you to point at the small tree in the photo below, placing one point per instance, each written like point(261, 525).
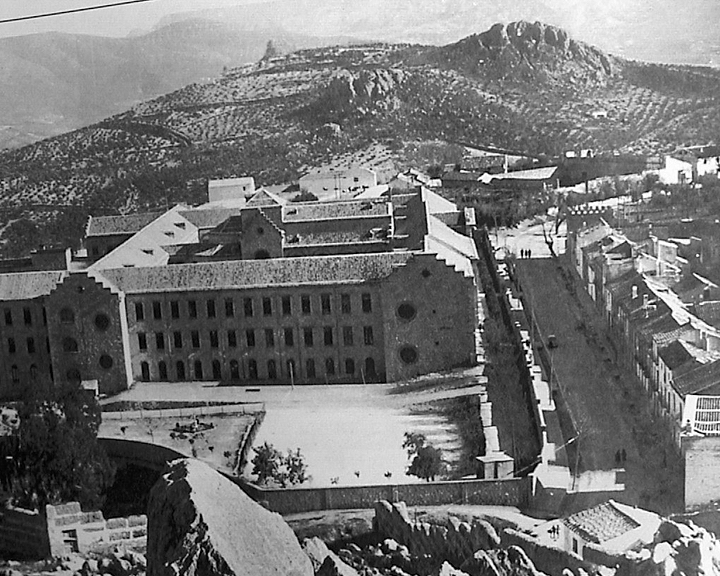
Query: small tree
point(266, 463)
point(426, 459)
point(271, 466)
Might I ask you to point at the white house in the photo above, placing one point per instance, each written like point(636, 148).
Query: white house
point(675, 171)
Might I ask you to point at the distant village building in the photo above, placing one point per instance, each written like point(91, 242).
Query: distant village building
point(235, 189)
point(338, 183)
point(265, 292)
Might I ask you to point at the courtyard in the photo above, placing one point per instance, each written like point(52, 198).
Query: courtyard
point(348, 434)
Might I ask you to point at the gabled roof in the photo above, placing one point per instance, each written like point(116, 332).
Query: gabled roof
point(119, 225)
point(205, 219)
point(675, 355)
point(28, 285)
point(306, 211)
point(544, 173)
point(601, 523)
point(265, 198)
point(237, 274)
point(701, 379)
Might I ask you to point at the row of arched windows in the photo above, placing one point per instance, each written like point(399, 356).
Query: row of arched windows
point(196, 370)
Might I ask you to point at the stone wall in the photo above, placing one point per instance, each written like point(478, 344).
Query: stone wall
point(69, 529)
point(23, 534)
point(508, 492)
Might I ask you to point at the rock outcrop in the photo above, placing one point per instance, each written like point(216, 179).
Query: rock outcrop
point(677, 549)
point(201, 524)
point(527, 51)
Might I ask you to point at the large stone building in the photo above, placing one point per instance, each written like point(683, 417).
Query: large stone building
point(264, 291)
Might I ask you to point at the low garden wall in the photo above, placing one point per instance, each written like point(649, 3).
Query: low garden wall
point(69, 529)
point(506, 492)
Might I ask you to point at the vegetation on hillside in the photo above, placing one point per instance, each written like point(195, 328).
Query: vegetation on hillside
point(539, 93)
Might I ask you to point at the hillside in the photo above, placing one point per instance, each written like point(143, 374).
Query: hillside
point(52, 83)
point(523, 86)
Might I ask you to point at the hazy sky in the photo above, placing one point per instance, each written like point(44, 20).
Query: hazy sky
point(118, 21)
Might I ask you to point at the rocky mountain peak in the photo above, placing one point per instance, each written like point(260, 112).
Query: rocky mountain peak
point(527, 51)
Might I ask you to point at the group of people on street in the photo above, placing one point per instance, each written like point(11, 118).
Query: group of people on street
point(525, 253)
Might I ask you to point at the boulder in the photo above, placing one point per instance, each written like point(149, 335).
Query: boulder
point(448, 570)
point(333, 566)
point(201, 524)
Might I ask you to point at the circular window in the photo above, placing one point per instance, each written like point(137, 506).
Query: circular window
point(406, 311)
point(260, 230)
point(106, 362)
point(409, 354)
point(426, 273)
point(102, 321)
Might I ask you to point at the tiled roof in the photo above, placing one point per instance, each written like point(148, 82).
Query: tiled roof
point(601, 523)
point(265, 198)
point(28, 285)
point(336, 237)
point(675, 355)
point(531, 174)
point(257, 273)
point(303, 211)
point(699, 380)
point(208, 218)
point(116, 225)
point(709, 312)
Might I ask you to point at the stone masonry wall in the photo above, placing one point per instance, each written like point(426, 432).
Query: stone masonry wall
point(69, 529)
point(22, 534)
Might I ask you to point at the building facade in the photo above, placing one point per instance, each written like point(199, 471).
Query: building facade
point(304, 296)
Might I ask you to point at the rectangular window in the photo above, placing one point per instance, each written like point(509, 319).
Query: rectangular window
point(8, 317)
point(232, 339)
point(214, 341)
point(160, 340)
point(192, 308)
point(210, 308)
point(250, 338)
point(310, 368)
point(366, 302)
point(44, 316)
point(157, 310)
point(195, 338)
point(11, 345)
point(286, 306)
point(289, 337)
point(308, 337)
point(267, 306)
point(305, 304)
point(229, 308)
point(27, 316)
point(175, 309)
point(368, 336)
point(328, 335)
point(248, 307)
point(177, 339)
point(345, 303)
point(325, 303)
point(269, 337)
point(142, 341)
point(347, 335)
point(31, 345)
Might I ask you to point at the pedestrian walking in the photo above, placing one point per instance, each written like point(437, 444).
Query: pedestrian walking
point(529, 253)
point(623, 455)
point(617, 457)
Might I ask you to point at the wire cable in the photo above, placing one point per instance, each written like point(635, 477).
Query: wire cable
point(71, 11)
